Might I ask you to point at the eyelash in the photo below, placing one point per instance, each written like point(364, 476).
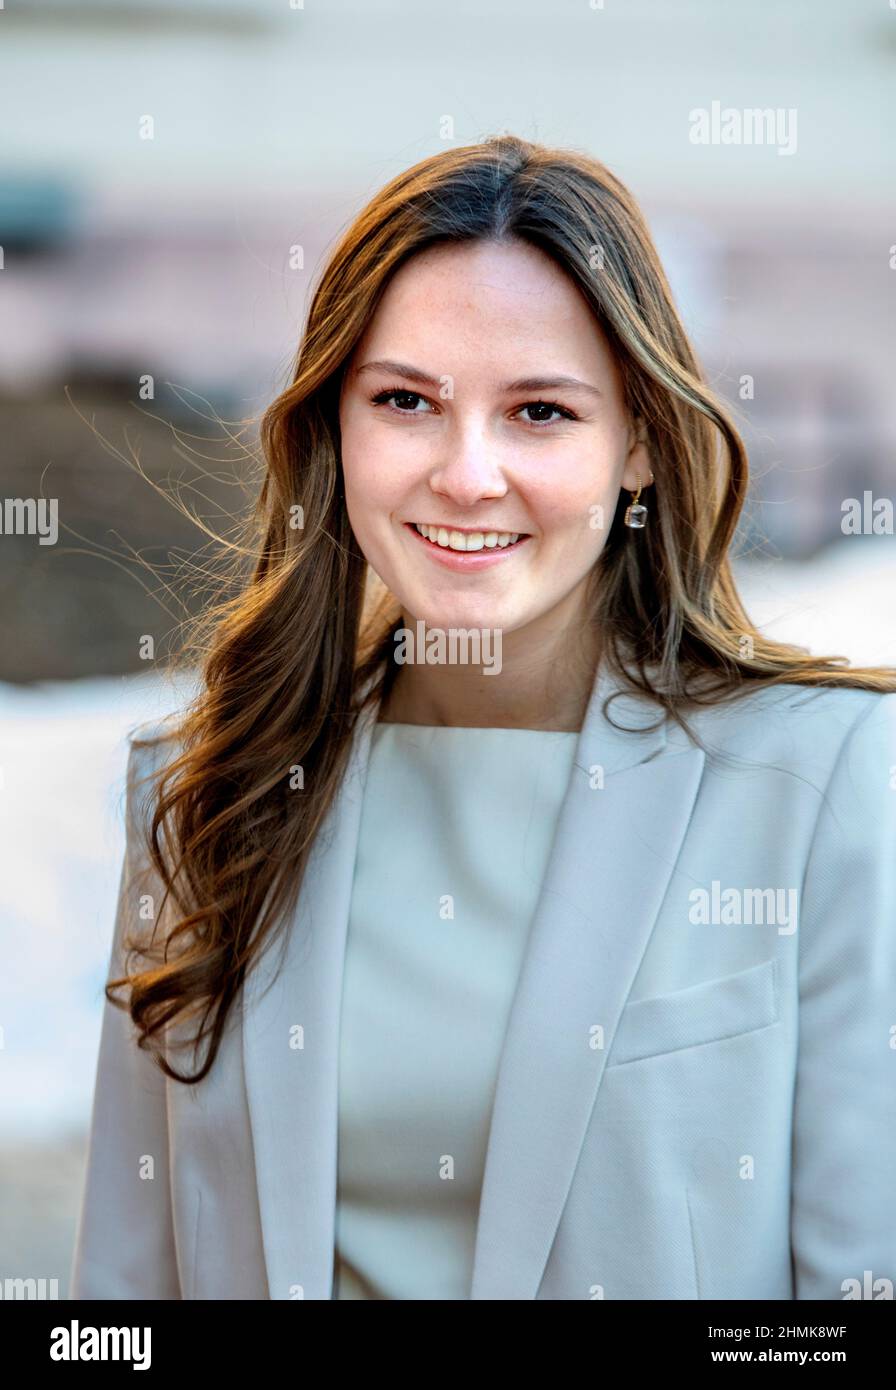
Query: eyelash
point(381, 397)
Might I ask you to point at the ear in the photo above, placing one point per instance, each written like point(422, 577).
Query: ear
point(638, 467)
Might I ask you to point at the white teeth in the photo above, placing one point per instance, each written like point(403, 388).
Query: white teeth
point(471, 540)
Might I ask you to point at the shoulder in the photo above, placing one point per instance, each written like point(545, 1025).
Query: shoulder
point(152, 745)
point(804, 729)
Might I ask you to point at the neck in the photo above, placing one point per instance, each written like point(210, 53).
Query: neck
point(545, 682)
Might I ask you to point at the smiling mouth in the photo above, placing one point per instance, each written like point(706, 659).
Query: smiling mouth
point(466, 541)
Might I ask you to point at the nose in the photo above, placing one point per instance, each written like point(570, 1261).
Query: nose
point(469, 467)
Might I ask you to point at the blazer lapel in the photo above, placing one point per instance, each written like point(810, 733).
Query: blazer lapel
point(292, 1088)
point(613, 854)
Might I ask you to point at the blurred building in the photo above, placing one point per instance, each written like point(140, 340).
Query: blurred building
point(152, 198)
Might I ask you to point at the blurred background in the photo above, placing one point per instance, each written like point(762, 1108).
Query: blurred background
point(161, 162)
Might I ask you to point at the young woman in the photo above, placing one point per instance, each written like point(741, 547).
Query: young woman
point(514, 920)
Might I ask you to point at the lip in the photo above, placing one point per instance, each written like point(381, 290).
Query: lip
point(466, 561)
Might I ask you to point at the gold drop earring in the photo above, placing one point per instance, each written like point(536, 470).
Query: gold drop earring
point(636, 512)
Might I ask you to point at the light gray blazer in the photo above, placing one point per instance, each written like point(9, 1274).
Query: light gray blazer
point(697, 1089)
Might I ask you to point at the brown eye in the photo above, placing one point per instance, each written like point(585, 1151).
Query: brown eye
point(543, 410)
point(405, 401)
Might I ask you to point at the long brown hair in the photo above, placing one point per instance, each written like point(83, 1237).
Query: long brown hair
point(304, 647)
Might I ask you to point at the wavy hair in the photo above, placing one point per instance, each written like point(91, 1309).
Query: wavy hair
point(304, 646)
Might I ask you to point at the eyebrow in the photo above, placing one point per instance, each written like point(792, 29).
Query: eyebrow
point(527, 383)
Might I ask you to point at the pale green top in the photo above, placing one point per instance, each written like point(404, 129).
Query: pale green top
point(456, 829)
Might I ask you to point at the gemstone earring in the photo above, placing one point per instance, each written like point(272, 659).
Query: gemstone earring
point(636, 512)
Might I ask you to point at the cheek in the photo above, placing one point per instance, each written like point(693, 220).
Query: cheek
point(367, 474)
point(567, 510)
point(372, 500)
point(576, 497)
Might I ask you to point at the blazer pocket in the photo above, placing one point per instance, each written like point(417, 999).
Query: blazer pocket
point(702, 1013)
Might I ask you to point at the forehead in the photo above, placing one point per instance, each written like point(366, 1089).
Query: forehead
point(503, 302)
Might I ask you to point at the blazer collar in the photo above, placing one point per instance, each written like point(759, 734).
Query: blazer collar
point(619, 833)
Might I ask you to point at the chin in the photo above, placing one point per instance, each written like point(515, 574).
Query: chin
point(448, 618)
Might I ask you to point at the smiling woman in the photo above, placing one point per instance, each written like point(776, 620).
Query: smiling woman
point(444, 426)
point(499, 1056)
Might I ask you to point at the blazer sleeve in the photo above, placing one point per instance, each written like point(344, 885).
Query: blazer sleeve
point(124, 1243)
point(843, 1193)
